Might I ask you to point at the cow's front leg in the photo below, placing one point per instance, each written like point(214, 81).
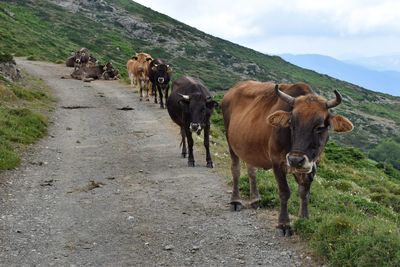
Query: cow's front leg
point(146, 87)
point(154, 91)
point(166, 93)
point(207, 145)
point(140, 91)
point(304, 181)
point(161, 96)
point(236, 202)
point(255, 199)
point(190, 146)
point(183, 142)
point(284, 195)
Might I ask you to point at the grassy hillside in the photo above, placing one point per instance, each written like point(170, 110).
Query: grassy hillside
point(48, 31)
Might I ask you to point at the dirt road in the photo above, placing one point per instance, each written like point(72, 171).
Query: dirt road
point(107, 187)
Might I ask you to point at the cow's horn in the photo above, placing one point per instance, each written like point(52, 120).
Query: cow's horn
point(334, 102)
point(285, 97)
point(185, 96)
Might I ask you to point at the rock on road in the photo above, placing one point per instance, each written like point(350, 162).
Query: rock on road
point(107, 187)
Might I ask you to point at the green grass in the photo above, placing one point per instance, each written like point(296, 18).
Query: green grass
point(23, 108)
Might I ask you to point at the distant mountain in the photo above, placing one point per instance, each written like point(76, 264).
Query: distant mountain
point(381, 63)
point(381, 81)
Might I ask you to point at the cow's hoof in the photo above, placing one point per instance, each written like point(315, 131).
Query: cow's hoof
point(210, 164)
point(183, 155)
point(147, 99)
point(162, 106)
point(236, 206)
point(191, 163)
point(284, 230)
point(255, 204)
point(140, 99)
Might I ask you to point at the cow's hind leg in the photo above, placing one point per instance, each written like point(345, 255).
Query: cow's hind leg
point(236, 203)
point(255, 199)
point(183, 142)
point(284, 195)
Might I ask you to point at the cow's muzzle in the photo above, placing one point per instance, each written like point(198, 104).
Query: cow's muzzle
point(299, 163)
point(160, 80)
point(195, 127)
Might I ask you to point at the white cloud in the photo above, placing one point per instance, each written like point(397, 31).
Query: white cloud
point(344, 25)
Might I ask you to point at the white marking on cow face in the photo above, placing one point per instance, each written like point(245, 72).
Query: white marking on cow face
point(160, 79)
point(299, 163)
point(195, 127)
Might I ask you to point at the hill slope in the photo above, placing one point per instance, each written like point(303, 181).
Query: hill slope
point(114, 30)
point(382, 81)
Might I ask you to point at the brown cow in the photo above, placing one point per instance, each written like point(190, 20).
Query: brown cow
point(138, 68)
point(279, 127)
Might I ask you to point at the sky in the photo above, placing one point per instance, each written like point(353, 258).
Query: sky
point(343, 29)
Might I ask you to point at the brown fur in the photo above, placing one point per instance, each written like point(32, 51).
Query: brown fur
point(138, 69)
point(258, 130)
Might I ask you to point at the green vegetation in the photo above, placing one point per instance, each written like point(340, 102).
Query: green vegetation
point(23, 106)
point(387, 151)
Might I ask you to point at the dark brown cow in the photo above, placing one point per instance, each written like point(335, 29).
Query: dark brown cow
point(279, 127)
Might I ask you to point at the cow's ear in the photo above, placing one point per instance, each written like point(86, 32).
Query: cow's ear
point(134, 57)
point(154, 68)
point(149, 59)
point(341, 124)
point(212, 104)
point(169, 68)
point(279, 119)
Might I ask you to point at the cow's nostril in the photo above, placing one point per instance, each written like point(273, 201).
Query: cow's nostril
point(296, 161)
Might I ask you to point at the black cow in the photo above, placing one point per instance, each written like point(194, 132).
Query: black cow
point(190, 106)
point(159, 75)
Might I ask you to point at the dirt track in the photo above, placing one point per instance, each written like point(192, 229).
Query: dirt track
point(107, 187)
